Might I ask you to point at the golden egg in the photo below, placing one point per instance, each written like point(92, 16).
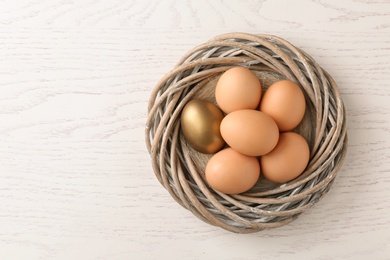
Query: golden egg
point(200, 123)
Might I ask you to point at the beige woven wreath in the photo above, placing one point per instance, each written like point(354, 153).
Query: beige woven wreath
point(180, 169)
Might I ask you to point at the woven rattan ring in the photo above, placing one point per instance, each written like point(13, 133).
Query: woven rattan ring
point(180, 169)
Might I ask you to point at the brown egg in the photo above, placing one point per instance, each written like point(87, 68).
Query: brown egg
point(231, 172)
point(285, 103)
point(238, 88)
point(200, 124)
point(250, 132)
point(288, 160)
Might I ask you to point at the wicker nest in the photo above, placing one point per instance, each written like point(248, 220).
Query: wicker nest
point(180, 169)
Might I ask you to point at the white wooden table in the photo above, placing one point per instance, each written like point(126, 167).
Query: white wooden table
point(75, 177)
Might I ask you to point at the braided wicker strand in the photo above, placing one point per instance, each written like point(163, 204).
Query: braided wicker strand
point(180, 169)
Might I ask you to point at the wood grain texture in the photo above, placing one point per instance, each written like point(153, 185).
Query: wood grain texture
point(75, 177)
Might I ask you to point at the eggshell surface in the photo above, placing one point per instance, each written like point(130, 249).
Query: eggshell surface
point(250, 132)
point(285, 103)
point(287, 160)
point(200, 123)
point(231, 172)
point(238, 88)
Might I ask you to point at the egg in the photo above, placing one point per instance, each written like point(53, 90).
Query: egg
point(288, 160)
point(285, 103)
point(200, 124)
point(238, 88)
point(250, 132)
point(231, 172)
